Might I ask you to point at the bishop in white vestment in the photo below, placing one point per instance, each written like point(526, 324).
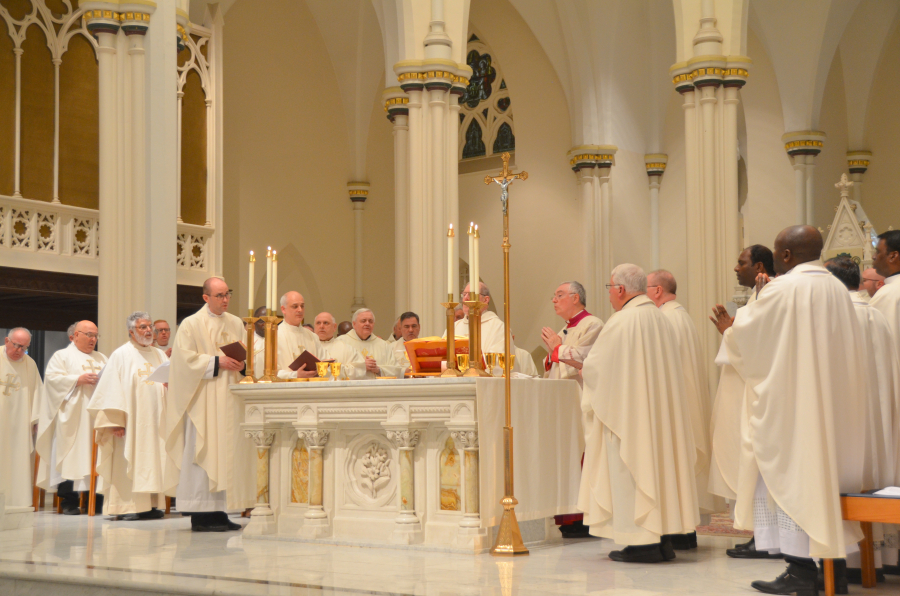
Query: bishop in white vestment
point(294, 338)
point(65, 430)
point(353, 365)
point(127, 407)
point(208, 457)
point(574, 341)
point(378, 361)
point(20, 389)
point(492, 327)
point(638, 483)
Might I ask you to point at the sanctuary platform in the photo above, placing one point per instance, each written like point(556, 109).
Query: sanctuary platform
point(416, 462)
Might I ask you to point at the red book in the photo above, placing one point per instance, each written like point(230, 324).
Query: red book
point(305, 358)
point(236, 350)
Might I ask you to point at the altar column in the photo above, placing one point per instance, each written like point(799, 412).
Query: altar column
point(656, 165)
point(315, 523)
point(359, 192)
point(858, 163)
point(408, 528)
point(802, 147)
point(262, 519)
point(396, 105)
point(470, 531)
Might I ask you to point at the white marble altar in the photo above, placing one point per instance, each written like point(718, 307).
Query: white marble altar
point(410, 462)
point(12, 518)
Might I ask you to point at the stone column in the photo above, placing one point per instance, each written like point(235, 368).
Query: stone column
point(452, 160)
point(858, 163)
point(415, 274)
point(471, 534)
point(656, 165)
point(56, 64)
point(398, 113)
point(736, 74)
point(315, 523)
point(359, 192)
point(180, 96)
point(407, 529)
point(17, 176)
point(262, 519)
point(803, 147)
point(437, 83)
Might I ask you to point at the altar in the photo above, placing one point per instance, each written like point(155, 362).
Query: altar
point(411, 461)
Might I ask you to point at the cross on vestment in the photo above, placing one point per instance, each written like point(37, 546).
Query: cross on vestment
point(10, 384)
point(146, 373)
point(90, 366)
point(504, 180)
point(225, 338)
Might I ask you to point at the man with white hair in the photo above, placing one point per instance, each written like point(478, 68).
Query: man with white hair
point(492, 326)
point(294, 338)
point(353, 365)
point(577, 337)
point(637, 485)
point(20, 389)
point(127, 407)
point(65, 438)
point(379, 360)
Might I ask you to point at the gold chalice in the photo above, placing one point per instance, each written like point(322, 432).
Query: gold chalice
point(493, 360)
point(501, 360)
point(322, 368)
point(462, 361)
point(336, 370)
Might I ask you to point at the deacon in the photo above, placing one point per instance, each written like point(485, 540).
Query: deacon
point(162, 333)
point(662, 289)
point(294, 338)
point(259, 343)
point(637, 485)
point(798, 347)
point(353, 365)
point(379, 360)
point(577, 337)
point(20, 389)
point(65, 435)
point(126, 407)
point(871, 282)
point(492, 327)
point(208, 457)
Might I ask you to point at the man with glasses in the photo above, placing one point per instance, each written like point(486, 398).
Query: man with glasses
point(871, 283)
point(574, 341)
point(20, 388)
point(162, 333)
point(65, 436)
point(209, 458)
point(492, 326)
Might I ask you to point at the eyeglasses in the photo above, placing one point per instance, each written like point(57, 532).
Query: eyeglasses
point(561, 296)
point(144, 327)
point(467, 294)
point(656, 286)
point(166, 330)
point(610, 286)
point(17, 346)
point(872, 280)
point(223, 296)
point(90, 335)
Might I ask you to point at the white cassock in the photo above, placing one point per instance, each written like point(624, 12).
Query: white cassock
point(131, 466)
point(578, 336)
point(802, 427)
point(887, 301)
point(638, 478)
point(492, 330)
point(65, 439)
point(353, 365)
point(525, 363)
point(373, 347)
point(259, 355)
point(208, 457)
point(696, 385)
point(398, 348)
point(20, 389)
point(293, 341)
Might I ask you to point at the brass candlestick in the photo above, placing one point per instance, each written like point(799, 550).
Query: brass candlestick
point(476, 363)
point(271, 375)
point(452, 367)
point(509, 537)
point(249, 322)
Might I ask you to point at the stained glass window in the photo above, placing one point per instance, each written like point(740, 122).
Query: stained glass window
point(485, 120)
point(505, 140)
point(474, 146)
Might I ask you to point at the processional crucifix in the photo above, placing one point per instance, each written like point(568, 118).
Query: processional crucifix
point(509, 537)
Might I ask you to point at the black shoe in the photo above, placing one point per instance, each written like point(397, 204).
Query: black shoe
point(129, 517)
point(891, 569)
point(683, 541)
point(787, 584)
point(666, 548)
point(574, 530)
point(854, 576)
point(645, 553)
point(221, 520)
point(748, 551)
point(751, 544)
point(72, 510)
point(840, 576)
point(152, 514)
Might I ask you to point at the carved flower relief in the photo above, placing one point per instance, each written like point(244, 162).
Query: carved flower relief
point(373, 469)
point(846, 235)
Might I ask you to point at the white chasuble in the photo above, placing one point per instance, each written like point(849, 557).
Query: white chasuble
point(353, 365)
point(638, 481)
point(20, 389)
point(492, 330)
point(802, 427)
point(725, 442)
point(696, 385)
point(887, 301)
point(373, 347)
point(207, 453)
point(131, 466)
point(525, 363)
point(65, 439)
point(293, 341)
point(578, 336)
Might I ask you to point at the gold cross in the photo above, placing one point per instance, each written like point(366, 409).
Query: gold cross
point(10, 384)
point(365, 353)
point(146, 373)
point(505, 179)
point(90, 366)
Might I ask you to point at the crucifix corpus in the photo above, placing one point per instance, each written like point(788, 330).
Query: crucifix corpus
point(509, 537)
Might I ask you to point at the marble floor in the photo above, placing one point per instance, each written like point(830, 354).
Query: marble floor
point(82, 555)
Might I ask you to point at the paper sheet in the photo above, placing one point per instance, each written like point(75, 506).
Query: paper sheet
point(160, 374)
point(891, 491)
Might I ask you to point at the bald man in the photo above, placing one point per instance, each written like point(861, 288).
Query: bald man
point(871, 282)
point(352, 362)
point(798, 347)
point(294, 338)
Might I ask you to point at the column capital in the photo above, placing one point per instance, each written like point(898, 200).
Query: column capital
point(358, 191)
point(803, 142)
point(396, 102)
point(656, 163)
point(314, 438)
point(403, 439)
point(591, 156)
point(433, 74)
point(858, 161)
point(710, 71)
point(261, 437)
point(465, 439)
point(101, 18)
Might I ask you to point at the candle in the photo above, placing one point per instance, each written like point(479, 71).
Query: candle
point(476, 287)
point(250, 292)
point(471, 254)
point(450, 263)
point(275, 281)
point(269, 279)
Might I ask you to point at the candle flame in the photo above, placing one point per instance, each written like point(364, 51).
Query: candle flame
point(450, 233)
point(471, 227)
point(477, 235)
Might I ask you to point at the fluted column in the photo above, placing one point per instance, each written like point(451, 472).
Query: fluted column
point(414, 87)
point(736, 75)
point(656, 165)
point(398, 113)
point(802, 147)
point(262, 519)
point(858, 163)
point(315, 523)
point(407, 529)
point(359, 192)
point(452, 161)
point(437, 84)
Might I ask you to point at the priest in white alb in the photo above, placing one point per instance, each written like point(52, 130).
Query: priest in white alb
point(638, 483)
point(294, 338)
point(577, 337)
point(126, 407)
point(492, 326)
point(378, 359)
point(799, 349)
point(208, 457)
point(20, 388)
point(65, 436)
point(353, 365)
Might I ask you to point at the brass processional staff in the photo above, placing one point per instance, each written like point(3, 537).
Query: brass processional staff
point(509, 537)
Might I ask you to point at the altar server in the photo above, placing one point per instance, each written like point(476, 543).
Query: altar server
point(65, 434)
point(577, 337)
point(294, 338)
point(661, 289)
point(379, 361)
point(638, 479)
point(20, 389)
point(798, 347)
point(492, 327)
point(353, 365)
point(126, 407)
point(208, 457)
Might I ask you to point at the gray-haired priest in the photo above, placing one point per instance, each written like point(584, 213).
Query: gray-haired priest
point(638, 480)
point(492, 326)
point(353, 365)
point(126, 407)
point(294, 338)
point(208, 457)
point(574, 341)
point(20, 389)
point(379, 360)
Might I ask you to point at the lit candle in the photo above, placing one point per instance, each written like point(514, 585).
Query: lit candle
point(471, 254)
point(476, 287)
point(450, 262)
point(250, 292)
point(275, 281)
point(269, 279)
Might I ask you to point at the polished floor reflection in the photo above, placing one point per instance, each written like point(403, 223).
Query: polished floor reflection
point(165, 555)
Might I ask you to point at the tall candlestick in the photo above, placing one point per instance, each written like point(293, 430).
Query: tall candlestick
point(476, 288)
point(450, 261)
point(250, 291)
point(471, 234)
point(275, 280)
point(269, 278)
